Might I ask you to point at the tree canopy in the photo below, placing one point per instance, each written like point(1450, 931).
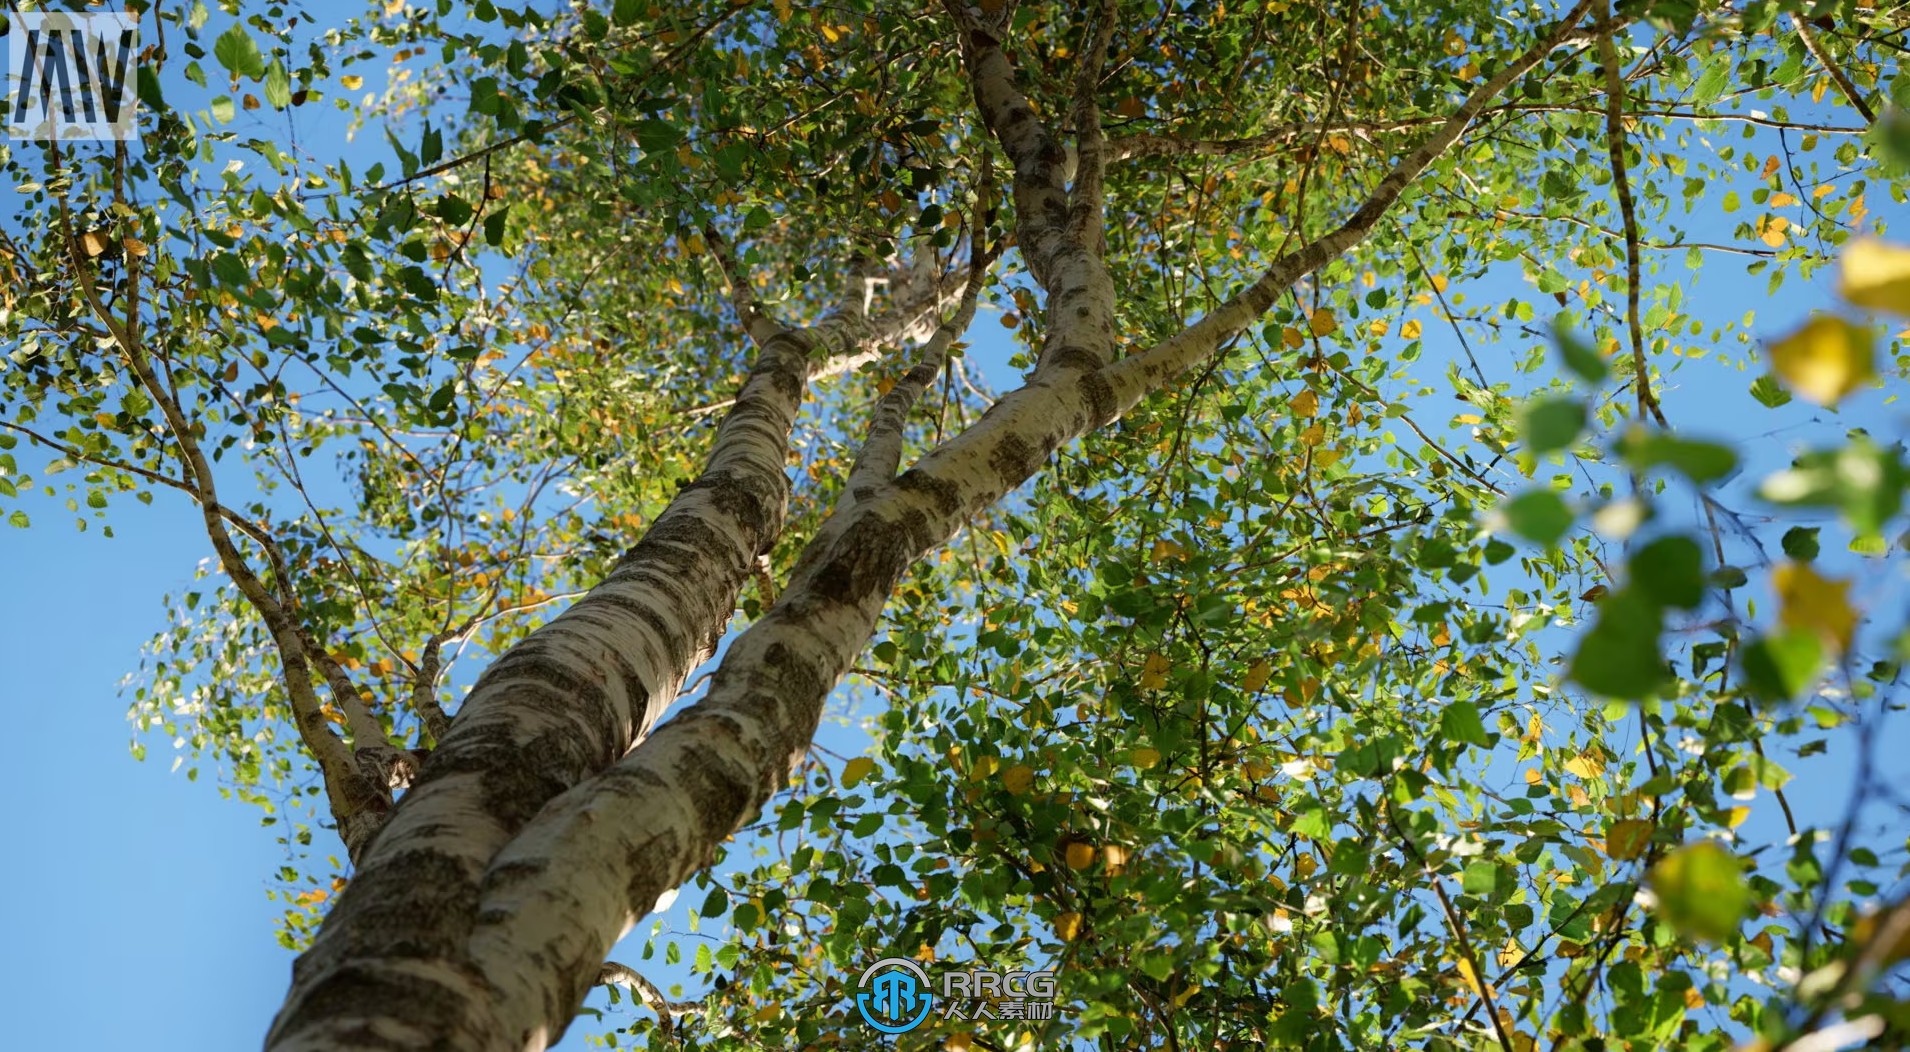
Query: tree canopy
point(1379, 596)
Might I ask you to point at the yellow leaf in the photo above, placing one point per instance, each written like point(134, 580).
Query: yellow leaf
point(1067, 925)
point(1322, 322)
point(1781, 200)
point(1410, 330)
point(1144, 758)
point(958, 1042)
point(1114, 856)
point(1468, 976)
point(1737, 816)
point(1455, 44)
point(1694, 998)
point(1825, 360)
point(856, 770)
point(1305, 404)
point(984, 766)
point(768, 1012)
point(1167, 550)
point(1258, 674)
point(1439, 282)
point(1080, 854)
point(1876, 275)
point(1018, 779)
point(352, 81)
point(1811, 602)
point(1586, 765)
point(1154, 672)
point(1770, 230)
point(1628, 839)
point(1313, 435)
point(1305, 864)
point(1292, 337)
point(133, 246)
point(93, 242)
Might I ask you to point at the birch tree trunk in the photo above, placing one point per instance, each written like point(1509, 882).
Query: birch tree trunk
point(552, 817)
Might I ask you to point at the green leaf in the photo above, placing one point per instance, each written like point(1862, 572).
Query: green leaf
point(655, 136)
point(1782, 665)
point(1862, 479)
point(1800, 543)
point(1578, 355)
point(278, 86)
point(1460, 724)
point(1538, 515)
point(1547, 424)
point(717, 904)
point(237, 52)
point(1770, 391)
point(1670, 571)
point(494, 226)
point(1701, 890)
point(1619, 657)
point(627, 12)
point(1701, 462)
point(19, 518)
point(1493, 881)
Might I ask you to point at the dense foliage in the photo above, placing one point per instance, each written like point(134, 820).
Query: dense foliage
point(1426, 667)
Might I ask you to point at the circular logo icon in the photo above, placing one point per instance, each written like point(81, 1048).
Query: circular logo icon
point(893, 995)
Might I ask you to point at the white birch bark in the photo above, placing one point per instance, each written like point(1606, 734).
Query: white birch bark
point(520, 911)
point(563, 704)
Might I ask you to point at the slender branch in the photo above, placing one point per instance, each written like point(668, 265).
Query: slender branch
point(1134, 376)
point(1086, 209)
point(357, 802)
point(1837, 74)
point(424, 691)
point(614, 974)
point(1167, 144)
point(881, 452)
point(1621, 183)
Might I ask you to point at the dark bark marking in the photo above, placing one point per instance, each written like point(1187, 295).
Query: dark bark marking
point(1072, 357)
point(1099, 394)
point(946, 495)
point(1013, 459)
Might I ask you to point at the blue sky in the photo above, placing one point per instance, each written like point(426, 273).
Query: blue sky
point(135, 908)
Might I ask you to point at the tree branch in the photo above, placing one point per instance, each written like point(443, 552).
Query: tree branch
point(1621, 184)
